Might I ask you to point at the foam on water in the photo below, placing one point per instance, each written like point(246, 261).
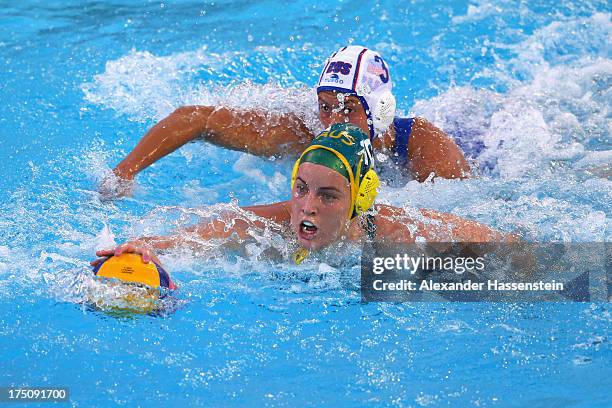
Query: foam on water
point(147, 87)
point(556, 107)
point(477, 12)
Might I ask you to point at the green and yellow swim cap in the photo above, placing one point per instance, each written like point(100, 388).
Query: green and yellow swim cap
point(345, 149)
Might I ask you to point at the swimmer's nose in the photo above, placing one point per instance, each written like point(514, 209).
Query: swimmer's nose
point(309, 205)
point(337, 117)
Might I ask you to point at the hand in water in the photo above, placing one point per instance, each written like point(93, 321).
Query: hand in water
point(147, 255)
point(115, 186)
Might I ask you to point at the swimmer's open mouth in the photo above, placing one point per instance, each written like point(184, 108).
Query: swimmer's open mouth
point(308, 228)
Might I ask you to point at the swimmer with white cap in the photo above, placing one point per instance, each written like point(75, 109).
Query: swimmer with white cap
point(355, 86)
point(333, 187)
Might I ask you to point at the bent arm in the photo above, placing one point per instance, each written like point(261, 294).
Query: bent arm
point(457, 229)
point(396, 225)
point(181, 126)
point(430, 150)
point(255, 132)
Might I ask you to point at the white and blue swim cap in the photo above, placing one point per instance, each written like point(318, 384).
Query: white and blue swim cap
point(358, 71)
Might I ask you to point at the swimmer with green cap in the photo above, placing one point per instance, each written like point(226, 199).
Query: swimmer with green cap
point(333, 187)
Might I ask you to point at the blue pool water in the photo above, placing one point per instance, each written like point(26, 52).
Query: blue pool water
point(80, 83)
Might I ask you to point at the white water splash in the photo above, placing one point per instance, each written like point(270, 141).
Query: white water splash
point(147, 87)
point(556, 112)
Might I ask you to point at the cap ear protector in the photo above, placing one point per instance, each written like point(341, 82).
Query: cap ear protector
point(366, 191)
point(383, 112)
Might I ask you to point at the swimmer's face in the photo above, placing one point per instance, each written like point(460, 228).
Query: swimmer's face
point(320, 202)
point(336, 107)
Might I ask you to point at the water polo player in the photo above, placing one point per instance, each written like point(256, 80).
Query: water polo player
point(333, 186)
point(355, 87)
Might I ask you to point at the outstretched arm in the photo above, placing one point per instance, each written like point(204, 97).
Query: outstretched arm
point(235, 224)
point(256, 132)
point(430, 150)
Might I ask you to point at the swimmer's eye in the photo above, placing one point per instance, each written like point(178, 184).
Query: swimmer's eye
point(329, 198)
point(300, 189)
point(324, 107)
